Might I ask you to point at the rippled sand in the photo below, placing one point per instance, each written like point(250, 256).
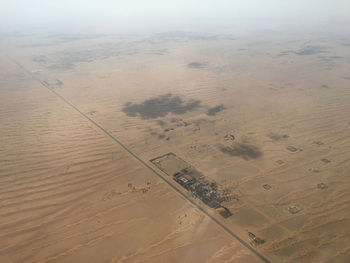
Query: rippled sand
point(69, 193)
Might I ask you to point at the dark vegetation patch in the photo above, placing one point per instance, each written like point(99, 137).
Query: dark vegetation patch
point(266, 186)
point(59, 83)
point(256, 239)
point(159, 52)
point(329, 62)
point(335, 57)
point(40, 59)
point(285, 53)
point(67, 58)
point(197, 65)
point(57, 39)
point(277, 137)
point(216, 109)
point(123, 46)
point(180, 36)
point(225, 212)
point(160, 106)
point(311, 50)
point(244, 150)
point(179, 122)
point(306, 51)
point(159, 122)
point(229, 137)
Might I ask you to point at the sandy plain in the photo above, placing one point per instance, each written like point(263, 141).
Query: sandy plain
point(70, 193)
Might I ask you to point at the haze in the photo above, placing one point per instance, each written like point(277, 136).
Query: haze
point(106, 14)
point(175, 131)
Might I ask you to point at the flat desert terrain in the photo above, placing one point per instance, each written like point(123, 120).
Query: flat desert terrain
point(264, 117)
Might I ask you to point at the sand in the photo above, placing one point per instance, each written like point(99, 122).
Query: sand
point(70, 193)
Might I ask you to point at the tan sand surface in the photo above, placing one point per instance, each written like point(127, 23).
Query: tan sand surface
point(70, 194)
point(285, 99)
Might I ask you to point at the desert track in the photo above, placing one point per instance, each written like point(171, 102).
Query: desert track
point(266, 117)
point(203, 210)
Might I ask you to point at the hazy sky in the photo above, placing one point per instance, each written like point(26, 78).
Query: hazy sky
point(132, 13)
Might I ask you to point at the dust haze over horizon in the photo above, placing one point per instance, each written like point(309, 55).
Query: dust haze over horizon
point(175, 131)
point(158, 15)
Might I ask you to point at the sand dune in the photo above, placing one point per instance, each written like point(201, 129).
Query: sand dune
point(70, 194)
point(269, 121)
